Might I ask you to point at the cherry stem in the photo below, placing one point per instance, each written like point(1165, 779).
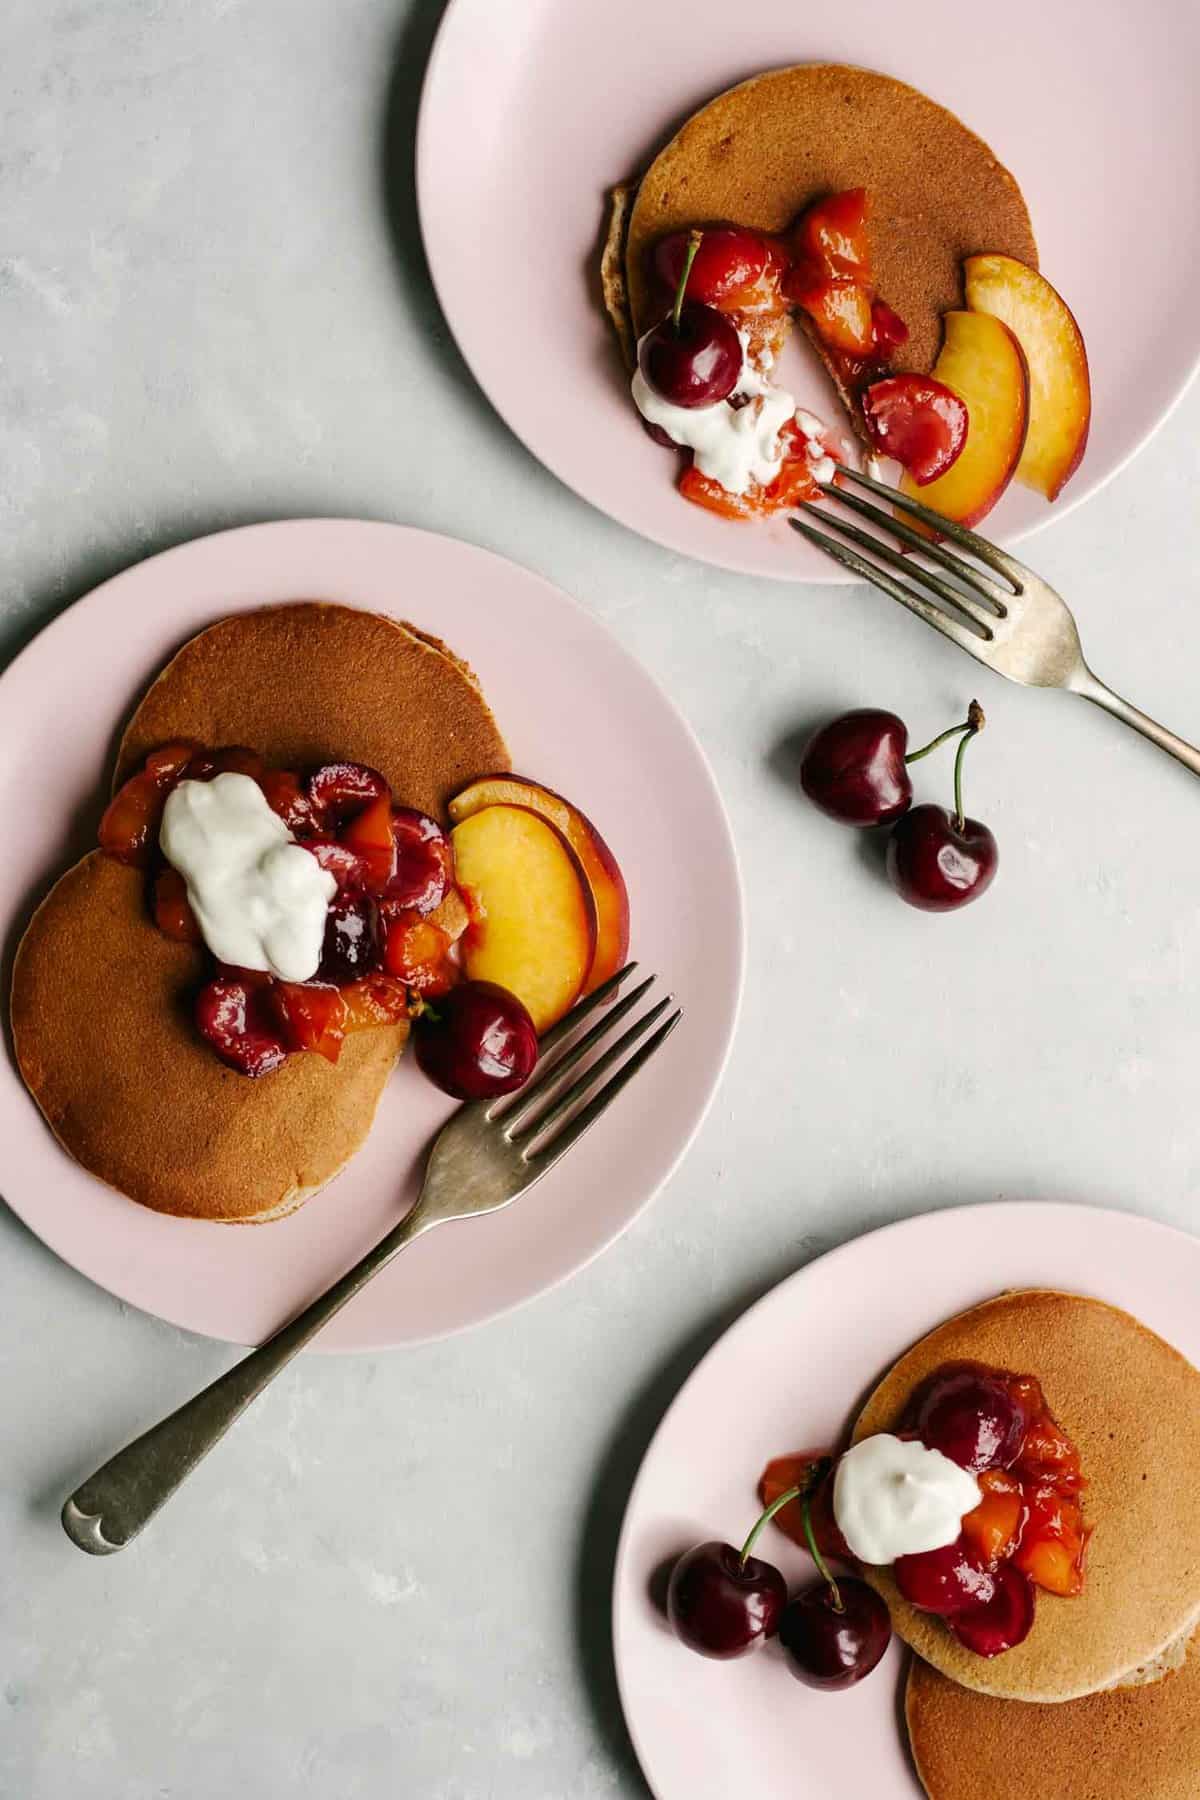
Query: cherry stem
point(975, 724)
point(764, 1518)
point(839, 1605)
point(813, 1479)
point(941, 738)
point(688, 260)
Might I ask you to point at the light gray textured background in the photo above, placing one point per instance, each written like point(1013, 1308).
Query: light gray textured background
point(393, 1580)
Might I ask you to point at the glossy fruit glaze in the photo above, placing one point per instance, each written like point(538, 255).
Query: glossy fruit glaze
point(393, 867)
point(1027, 1531)
point(822, 265)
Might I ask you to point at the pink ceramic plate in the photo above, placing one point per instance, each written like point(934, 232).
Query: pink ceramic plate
point(531, 113)
point(578, 712)
point(784, 1378)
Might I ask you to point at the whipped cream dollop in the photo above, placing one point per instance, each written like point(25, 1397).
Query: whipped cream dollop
point(259, 898)
point(893, 1497)
point(739, 446)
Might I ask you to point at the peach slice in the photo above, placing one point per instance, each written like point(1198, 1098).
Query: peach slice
point(599, 864)
point(982, 362)
point(533, 929)
point(1060, 389)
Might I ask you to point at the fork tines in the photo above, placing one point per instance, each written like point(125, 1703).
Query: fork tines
point(550, 1113)
point(968, 612)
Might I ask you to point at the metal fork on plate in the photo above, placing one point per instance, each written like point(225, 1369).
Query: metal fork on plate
point(484, 1156)
point(1002, 614)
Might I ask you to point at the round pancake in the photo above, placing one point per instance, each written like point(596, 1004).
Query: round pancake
point(1132, 1405)
point(314, 682)
point(761, 152)
point(1130, 1744)
point(104, 1038)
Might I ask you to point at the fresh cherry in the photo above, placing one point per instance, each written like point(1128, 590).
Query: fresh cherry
point(693, 358)
point(833, 1645)
point(422, 872)
point(938, 860)
point(971, 1418)
point(722, 1604)
point(477, 1042)
point(728, 260)
point(834, 1632)
point(945, 1581)
point(353, 945)
point(854, 768)
point(1001, 1622)
point(235, 1018)
point(919, 421)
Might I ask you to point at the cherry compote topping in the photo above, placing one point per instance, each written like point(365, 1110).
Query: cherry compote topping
point(1000, 1623)
point(235, 1018)
point(353, 945)
point(384, 859)
point(423, 861)
point(944, 1581)
point(971, 1417)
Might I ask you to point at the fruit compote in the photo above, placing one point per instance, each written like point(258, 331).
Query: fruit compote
point(388, 930)
point(1027, 1531)
point(821, 265)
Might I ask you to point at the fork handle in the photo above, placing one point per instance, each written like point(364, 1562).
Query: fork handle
point(112, 1505)
point(1095, 690)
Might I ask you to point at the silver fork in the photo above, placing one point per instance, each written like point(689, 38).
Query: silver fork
point(484, 1156)
point(1017, 625)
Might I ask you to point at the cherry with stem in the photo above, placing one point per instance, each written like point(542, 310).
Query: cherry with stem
point(693, 357)
point(834, 1632)
point(937, 860)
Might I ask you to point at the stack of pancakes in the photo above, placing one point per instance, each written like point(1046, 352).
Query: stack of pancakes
point(1102, 1700)
point(102, 1001)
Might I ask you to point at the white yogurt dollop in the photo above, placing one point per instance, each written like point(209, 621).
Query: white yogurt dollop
point(259, 898)
point(893, 1497)
point(737, 446)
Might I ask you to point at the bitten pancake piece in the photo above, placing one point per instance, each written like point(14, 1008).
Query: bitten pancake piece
point(313, 682)
point(1130, 1744)
point(763, 151)
point(1131, 1404)
point(104, 1038)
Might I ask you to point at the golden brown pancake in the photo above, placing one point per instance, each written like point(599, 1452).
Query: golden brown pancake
point(102, 1025)
point(313, 682)
point(101, 1000)
point(761, 152)
point(1130, 1744)
point(1131, 1404)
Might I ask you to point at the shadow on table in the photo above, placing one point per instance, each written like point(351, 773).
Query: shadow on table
point(398, 182)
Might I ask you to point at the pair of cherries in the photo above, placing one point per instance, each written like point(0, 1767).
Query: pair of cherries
point(856, 770)
point(723, 1602)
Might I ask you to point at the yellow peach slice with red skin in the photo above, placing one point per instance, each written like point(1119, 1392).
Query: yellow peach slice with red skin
point(533, 927)
point(1060, 388)
point(982, 362)
point(599, 864)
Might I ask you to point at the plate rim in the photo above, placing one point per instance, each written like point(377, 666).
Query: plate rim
point(926, 1219)
point(836, 576)
point(95, 598)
